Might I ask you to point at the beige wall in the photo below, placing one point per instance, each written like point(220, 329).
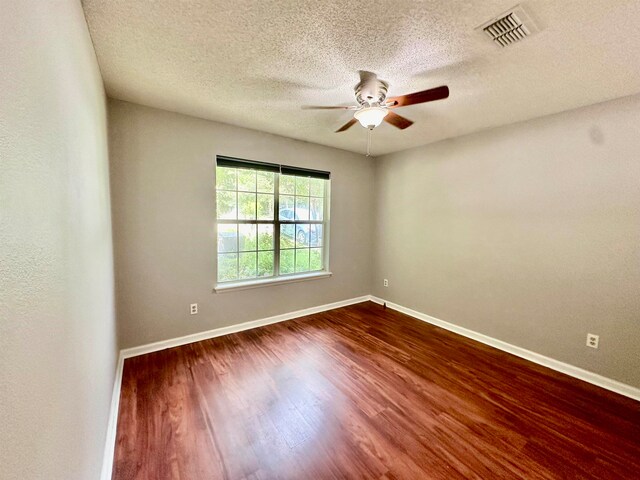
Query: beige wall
point(57, 321)
point(528, 233)
point(162, 178)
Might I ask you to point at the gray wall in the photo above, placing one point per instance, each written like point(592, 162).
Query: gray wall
point(57, 321)
point(162, 179)
point(528, 233)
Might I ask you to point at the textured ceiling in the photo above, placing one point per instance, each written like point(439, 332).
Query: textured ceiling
point(254, 63)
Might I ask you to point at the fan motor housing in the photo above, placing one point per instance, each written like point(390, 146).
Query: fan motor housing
point(371, 92)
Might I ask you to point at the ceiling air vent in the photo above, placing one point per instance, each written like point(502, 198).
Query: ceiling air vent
point(510, 27)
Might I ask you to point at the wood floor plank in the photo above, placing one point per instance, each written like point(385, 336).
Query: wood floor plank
point(364, 392)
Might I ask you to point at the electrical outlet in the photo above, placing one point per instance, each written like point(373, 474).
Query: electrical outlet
point(194, 308)
point(385, 282)
point(592, 340)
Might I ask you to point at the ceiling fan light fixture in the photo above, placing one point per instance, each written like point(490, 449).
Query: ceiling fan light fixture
point(371, 117)
point(373, 105)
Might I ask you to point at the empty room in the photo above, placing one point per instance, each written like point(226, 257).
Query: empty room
point(311, 239)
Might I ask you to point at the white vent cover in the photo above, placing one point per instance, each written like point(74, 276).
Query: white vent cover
point(510, 27)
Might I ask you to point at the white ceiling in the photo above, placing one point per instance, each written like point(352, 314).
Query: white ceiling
point(254, 63)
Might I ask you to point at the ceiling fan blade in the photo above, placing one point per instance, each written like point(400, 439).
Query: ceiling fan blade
point(346, 125)
point(430, 95)
point(397, 120)
point(328, 107)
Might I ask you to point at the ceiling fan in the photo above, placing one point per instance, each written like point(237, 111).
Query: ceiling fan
point(373, 105)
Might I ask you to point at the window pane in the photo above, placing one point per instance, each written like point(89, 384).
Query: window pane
point(265, 182)
point(227, 237)
point(302, 185)
point(247, 265)
point(265, 264)
point(246, 180)
point(315, 235)
point(302, 259)
point(287, 236)
point(226, 178)
point(316, 206)
point(248, 250)
point(248, 238)
point(265, 207)
point(246, 206)
point(226, 205)
point(302, 208)
point(227, 267)
point(316, 187)
point(302, 235)
point(286, 207)
point(315, 259)
point(287, 184)
point(287, 264)
point(265, 237)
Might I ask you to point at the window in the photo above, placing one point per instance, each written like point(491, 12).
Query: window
point(271, 221)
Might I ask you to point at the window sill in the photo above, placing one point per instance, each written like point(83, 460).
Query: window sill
point(231, 287)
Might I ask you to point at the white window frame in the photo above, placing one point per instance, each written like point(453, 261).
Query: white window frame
point(277, 278)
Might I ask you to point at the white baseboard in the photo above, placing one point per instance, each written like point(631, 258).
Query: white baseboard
point(110, 443)
point(217, 332)
point(571, 370)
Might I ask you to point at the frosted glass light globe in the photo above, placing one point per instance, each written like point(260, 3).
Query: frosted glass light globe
point(371, 117)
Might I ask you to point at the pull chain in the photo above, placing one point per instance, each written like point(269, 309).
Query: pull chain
point(369, 130)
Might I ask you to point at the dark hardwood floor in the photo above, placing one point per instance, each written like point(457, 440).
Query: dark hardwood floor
point(363, 392)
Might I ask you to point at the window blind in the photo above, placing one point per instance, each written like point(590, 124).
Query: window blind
point(223, 161)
